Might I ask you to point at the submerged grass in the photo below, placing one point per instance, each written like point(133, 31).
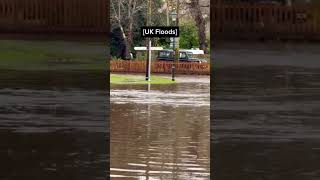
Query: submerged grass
point(51, 55)
point(134, 79)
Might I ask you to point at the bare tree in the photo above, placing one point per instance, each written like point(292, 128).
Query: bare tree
point(195, 7)
point(123, 14)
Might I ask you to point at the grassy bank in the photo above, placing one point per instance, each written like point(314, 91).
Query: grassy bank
point(51, 55)
point(134, 79)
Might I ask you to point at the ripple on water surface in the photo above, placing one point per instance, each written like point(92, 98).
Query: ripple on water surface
point(160, 134)
point(59, 134)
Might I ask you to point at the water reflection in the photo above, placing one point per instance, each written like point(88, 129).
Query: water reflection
point(265, 113)
point(53, 125)
point(160, 133)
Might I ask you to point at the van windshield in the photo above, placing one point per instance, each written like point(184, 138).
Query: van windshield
point(169, 54)
point(165, 54)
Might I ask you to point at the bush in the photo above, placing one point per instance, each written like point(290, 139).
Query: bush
point(188, 35)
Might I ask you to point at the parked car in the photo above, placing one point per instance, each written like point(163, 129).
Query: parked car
point(184, 56)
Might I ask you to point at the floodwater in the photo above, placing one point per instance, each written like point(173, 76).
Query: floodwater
point(161, 132)
point(53, 125)
point(266, 110)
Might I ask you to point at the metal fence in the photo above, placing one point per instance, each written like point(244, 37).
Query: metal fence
point(53, 15)
point(244, 20)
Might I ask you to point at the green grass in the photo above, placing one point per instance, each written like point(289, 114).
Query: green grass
point(134, 79)
point(51, 55)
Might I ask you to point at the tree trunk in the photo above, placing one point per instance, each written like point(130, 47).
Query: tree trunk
point(130, 29)
point(201, 24)
point(125, 54)
point(125, 16)
point(131, 8)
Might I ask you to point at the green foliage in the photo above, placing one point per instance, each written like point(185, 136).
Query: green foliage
point(163, 42)
point(188, 28)
point(188, 35)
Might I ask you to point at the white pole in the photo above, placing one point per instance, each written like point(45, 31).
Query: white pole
point(148, 64)
point(149, 59)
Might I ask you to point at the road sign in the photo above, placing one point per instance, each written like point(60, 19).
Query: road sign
point(176, 40)
point(160, 31)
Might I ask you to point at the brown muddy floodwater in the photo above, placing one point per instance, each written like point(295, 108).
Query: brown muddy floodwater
point(266, 109)
point(53, 125)
point(161, 132)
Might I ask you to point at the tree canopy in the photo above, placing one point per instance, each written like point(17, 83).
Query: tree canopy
point(128, 16)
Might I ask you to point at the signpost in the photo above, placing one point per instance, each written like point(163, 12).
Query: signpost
point(148, 64)
point(175, 41)
point(163, 31)
point(175, 54)
point(159, 31)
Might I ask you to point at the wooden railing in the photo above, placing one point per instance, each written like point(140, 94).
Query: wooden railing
point(53, 15)
point(138, 66)
point(236, 20)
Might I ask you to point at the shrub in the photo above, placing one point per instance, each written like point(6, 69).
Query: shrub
point(188, 35)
